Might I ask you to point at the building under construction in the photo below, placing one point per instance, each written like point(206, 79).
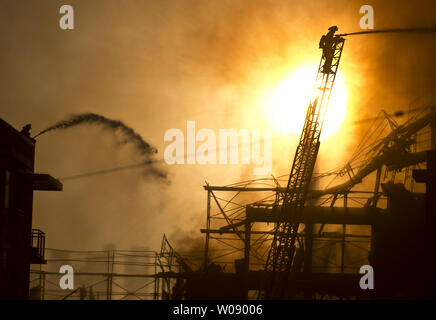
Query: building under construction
point(386, 225)
point(320, 239)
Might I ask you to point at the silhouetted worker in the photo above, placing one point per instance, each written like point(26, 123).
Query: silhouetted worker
point(82, 292)
point(26, 130)
point(91, 294)
point(328, 43)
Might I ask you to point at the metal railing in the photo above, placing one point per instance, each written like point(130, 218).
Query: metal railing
point(37, 246)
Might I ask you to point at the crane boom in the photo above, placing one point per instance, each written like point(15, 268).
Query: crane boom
point(283, 248)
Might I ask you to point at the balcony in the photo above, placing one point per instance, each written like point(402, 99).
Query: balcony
point(37, 247)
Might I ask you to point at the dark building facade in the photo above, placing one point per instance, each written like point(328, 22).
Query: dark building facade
point(20, 246)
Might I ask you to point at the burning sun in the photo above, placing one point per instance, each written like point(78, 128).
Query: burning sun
point(286, 105)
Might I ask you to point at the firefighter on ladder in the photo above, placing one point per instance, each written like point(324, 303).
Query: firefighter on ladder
point(328, 44)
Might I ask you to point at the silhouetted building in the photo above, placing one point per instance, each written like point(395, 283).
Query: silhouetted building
point(428, 177)
point(20, 246)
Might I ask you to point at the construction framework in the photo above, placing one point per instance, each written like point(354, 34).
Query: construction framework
point(109, 274)
point(339, 220)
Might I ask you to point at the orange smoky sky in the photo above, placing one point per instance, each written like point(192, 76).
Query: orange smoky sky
point(156, 64)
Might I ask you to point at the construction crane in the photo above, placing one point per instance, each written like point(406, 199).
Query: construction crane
point(283, 248)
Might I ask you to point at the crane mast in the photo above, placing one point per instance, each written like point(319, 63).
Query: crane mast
point(283, 248)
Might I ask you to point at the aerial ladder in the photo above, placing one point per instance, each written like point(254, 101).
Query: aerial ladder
point(283, 251)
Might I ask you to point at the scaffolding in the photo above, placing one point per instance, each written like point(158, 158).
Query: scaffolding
point(336, 236)
point(108, 274)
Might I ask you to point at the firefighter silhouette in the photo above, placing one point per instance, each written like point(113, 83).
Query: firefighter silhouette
point(26, 130)
point(328, 43)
